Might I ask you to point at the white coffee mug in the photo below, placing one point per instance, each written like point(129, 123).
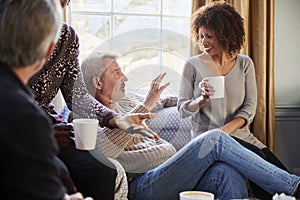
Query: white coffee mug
point(85, 133)
point(218, 82)
point(196, 195)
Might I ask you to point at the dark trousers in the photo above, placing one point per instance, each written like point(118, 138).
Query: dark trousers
point(92, 173)
point(65, 177)
point(266, 154)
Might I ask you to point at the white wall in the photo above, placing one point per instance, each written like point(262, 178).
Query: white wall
point(287, 52)
point(287, 82)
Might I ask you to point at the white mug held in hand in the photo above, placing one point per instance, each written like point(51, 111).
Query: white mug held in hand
point(196, 195)
point(218, 83)
point(85, 133)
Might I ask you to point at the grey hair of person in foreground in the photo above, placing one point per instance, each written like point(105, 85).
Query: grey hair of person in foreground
point(26, 30)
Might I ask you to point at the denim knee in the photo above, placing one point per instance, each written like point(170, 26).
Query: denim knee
point(224, 181)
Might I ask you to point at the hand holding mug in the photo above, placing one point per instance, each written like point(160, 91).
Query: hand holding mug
point(64, 135)
point(213, 87)
point(206, 88)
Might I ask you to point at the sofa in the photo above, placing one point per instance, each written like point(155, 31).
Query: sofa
point(171, 127)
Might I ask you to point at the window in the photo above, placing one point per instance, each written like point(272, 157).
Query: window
point(150, 36)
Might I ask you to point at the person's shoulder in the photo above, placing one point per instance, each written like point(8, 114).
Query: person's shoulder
point(17, 97)
point(68, 29)
point(193, 62)
point(244, 57)
point(68, 42)
point(20, 101)
point(244, 60)
point(14, 94)
point(194, 58)
point(19, 106)
point(68, 33)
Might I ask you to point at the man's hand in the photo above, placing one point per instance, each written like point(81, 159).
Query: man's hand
point(63, 134)
point(135, 123)
point(155, 91)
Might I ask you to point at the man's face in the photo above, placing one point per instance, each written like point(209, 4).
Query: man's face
point(113, 81)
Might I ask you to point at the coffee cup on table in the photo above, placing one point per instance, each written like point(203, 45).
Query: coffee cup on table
point(85, 133)
point(196, 195)
point(218, 83)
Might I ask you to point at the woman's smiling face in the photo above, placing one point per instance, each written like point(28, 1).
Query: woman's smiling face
point(209, 42)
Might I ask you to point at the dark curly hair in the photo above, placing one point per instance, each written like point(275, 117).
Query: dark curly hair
point(224, 21)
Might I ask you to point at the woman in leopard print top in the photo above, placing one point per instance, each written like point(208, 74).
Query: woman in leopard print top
point(62, 71)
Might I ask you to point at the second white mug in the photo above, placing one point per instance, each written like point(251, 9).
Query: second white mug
point(85, 133)
point(196, 195)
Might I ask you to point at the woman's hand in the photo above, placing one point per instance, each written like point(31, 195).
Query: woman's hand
point(207, 89)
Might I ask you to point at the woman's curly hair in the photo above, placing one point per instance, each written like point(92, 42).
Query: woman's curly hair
point(224, 21)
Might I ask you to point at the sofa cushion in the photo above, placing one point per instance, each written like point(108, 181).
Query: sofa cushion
point(171, 127)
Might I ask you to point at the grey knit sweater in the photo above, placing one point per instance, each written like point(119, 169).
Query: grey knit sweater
point(240, 97)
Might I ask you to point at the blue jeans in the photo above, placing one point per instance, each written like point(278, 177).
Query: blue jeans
point(184, 170)
point(223, 181)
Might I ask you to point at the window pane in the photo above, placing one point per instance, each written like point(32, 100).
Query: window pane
point(92, 31)
point(177, 7)
point(134, 40)
point(173, 63)
point(147, 40)
point(180, 25)
point(141, 66)
point(176, 35)
point(91, 5)
point(137, 6)
point(124, 23)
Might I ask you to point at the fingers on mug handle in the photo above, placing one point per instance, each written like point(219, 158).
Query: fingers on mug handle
point(203, 82)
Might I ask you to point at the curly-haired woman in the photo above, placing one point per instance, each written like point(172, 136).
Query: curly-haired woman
point(219, 30)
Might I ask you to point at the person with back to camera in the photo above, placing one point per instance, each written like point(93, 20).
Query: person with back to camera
point(219, 30)
point(196, 162)
point(62, 71)
point(28, 149)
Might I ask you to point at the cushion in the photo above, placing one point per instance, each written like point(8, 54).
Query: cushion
point(171, 127)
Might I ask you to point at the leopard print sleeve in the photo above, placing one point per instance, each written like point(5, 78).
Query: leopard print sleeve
point(62, 71)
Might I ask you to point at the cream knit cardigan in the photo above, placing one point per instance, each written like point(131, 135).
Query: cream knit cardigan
point(136, 153)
